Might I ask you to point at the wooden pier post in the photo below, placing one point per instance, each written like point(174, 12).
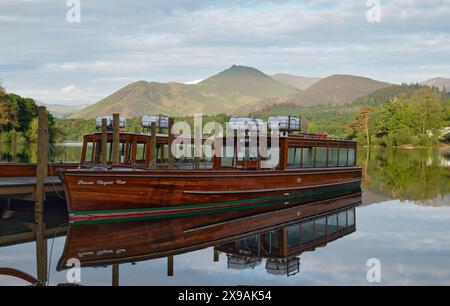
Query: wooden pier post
point(171, 139)
point(104, 140)
point(116, 140)
point(216, 256)
point(170, 266)
point(115, 275)
point(153, 145)
point(41, 173)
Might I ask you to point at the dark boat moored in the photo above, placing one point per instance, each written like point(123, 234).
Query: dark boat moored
point(310, 168)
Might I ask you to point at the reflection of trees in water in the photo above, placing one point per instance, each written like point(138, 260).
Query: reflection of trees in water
point(418, 174)
point(27, 153)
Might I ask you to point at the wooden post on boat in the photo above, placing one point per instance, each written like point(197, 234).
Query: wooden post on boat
point(14, 143)
point(116, 140)
point(104, 140)
point(115, 275)
point(171, 138)
point(170, 266)
point(153, 145)
point(41, 173)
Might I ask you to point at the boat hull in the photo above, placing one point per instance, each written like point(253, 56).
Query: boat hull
point(122, 194)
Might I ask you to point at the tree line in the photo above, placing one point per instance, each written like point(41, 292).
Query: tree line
point(417, 119)
point(402, 115)
point(18, 116)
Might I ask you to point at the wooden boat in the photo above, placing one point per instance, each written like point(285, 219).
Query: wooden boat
point(102, 244)
point(310, 168)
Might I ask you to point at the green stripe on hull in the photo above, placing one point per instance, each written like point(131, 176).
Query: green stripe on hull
point(329, 191)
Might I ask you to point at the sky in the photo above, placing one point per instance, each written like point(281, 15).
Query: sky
point(53, 54)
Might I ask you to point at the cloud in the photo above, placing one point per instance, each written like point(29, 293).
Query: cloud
point(180, 40)
point(71, 90)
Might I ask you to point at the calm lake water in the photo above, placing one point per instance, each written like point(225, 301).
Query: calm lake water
point(403, 221)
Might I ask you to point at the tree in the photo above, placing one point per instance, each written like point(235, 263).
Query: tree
point(360, 125)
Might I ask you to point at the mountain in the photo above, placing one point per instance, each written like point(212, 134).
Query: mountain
point(335, 89)
point(2, 91)
point(61, 110)
point(441, 83)
point(222, 93)
point(299, 82)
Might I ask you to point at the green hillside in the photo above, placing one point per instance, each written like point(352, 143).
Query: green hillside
point(334, 119)
point(223, 93)
point(335, 89)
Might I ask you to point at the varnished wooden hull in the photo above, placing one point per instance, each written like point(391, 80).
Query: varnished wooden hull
point(124, 193)
point(29, 170)
point(100, 244)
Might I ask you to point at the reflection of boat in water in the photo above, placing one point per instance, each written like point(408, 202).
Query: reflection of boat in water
point(282, 247)
point(105, 244)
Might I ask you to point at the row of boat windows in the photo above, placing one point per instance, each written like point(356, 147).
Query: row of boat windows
point(297, 157)
point(321, 157)
point(301, 233)
point(123, 148)
point(320, 227)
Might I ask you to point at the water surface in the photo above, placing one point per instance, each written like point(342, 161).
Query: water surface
point(403, 221)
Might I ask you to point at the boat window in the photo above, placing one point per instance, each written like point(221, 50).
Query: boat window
point(166, 151)
point(291, 156)
point(159, 153)
point(226, 160)
point(294, 157)
point(140, 151)
point(351, 217)
point(88, 155)
point(332, 224)
point(321, 156)
point(307, 231)
point(351, 156)
point(293, 235)
point(342, 220)
point(109, 151)
point(271, 241)
point(342, 156)
point(249, 243)
point(332, 157)
point(320, 227)
point(98, 151)
point(308, 157)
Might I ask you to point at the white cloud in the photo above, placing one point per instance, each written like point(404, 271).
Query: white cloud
point(71, 90)
point(183, 40)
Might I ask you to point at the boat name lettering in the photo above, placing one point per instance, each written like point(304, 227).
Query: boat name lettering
point(81, 182)
point(103, 252)
point(104, 183)
point(82, 254)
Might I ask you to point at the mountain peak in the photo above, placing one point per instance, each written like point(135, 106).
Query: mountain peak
point(242, 70)
point(337, 89)
point(440, 82)
point(245, 81)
